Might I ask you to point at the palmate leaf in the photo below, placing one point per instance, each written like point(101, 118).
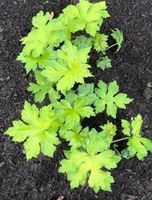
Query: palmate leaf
point(133, 128)
point(100, 42)
point(45, 32)
point(75, 107)
point(137, 145)
point(104, 63)
point(71, 67)
point(90, 163)
point(118, 36)
point(31, 63)
point(37, 40)
point(41, 19)
point(109, 129)
point(85, 15)
point(37, 130)
point(87, 89)
point(67, 17)
point(110, 99)
point(75, 137)
point(41, 88)
point(96, 142)
point(83, 42)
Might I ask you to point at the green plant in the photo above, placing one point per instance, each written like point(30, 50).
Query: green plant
point(118, 36)
point(60, 61)
point(42, 87)
point(91, 162)
point(104, 63)
point(37, 130)
point(70, 67)
point(110, 99)
point(149, 85)
point(137, 145)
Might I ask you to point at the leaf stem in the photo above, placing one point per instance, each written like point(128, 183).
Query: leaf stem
point(119, 140)
point(111, 46)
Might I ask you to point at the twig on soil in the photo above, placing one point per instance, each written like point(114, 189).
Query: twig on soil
point(119, 140)
point(111, 47)
point(116, 150)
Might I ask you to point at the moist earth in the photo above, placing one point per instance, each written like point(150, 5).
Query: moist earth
point(39, 179)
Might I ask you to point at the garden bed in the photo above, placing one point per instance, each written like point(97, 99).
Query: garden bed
point(132, 69)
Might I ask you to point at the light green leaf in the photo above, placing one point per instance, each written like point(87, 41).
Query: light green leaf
point(85, 16)
point(74, 108)
point(75, 137)
point(136, 125)
point(101, 179)
point(31, 63)
point(110, 99)
point(45, 32)
point(80, 164)
point(109, 129)
point(37, 130)
point(100, 42)
point(86, 89)
point(42, 87)
point(118, 36)
point(82, 42)
point(126, 127)
point(104, 63)
point(137, 145)
point(41, 19)
point(70, 68)
point(32, 148)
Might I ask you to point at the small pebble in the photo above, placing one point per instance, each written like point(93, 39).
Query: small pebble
point(8, 78)
point(2, 164)
point(41, 189)
point(147, 93)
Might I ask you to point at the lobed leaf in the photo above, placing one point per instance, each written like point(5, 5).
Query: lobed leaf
point(104, 63)
point(109, 99)
point(41, 88)
point(80, 165)
point(118, 36)
point(32, 63)
point(85, 16)
point(100, 42)
point(37, 130)
point(74, 108)
point(75, 137)
point(83, 42)
point(70, 68)
point(137, 145)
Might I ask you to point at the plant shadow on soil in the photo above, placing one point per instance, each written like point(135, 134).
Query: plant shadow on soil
point(39, 179)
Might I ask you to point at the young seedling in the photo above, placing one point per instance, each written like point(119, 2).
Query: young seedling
point(137, 145)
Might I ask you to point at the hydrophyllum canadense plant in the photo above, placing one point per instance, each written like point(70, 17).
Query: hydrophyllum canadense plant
point(60, 62)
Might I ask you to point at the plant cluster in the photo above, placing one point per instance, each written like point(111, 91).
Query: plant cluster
point(57, 51)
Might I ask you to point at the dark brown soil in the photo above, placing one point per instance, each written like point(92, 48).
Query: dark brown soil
point(132, 68)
